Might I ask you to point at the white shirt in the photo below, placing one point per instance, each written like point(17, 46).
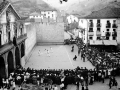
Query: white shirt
point(62, 85)
point(55, 88)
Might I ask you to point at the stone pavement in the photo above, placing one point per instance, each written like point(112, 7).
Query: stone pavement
point(60, 57)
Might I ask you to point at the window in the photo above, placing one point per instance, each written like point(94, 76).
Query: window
point(90, 37)
point(91, 23)
point(98, 23)
point(90, 29)
point(52, 15)
point(114, 24)
point(98, 29)
point(108, 25)
point(98, 38)
point(107, 38)
point(114, 30)
point(107, 30)
point(114, 38)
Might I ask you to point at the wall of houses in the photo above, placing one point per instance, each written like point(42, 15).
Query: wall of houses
point(49, 14)
point(95, 34)
point(30, 41)
point(50, 33)
point(83, 25)
point(118, 33)
point(103, 28)
point(72, 18)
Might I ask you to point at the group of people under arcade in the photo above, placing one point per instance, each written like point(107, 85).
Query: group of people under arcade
point(81, 77)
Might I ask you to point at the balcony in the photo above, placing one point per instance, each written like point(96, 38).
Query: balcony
point(98, 33)
point(98, 25)
point(114, 34)
point(114, 26)
point(108, 25)
point(4, 48)
point(91, 25)
point(21, 38)
point(108, 34)
point(90, 33)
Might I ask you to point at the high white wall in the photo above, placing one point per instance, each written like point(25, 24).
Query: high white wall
point(50, 33)
point(31, 39)
point(83, 24)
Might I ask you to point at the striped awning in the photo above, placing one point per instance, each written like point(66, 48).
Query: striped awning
point(110, 42)
point(96, 42)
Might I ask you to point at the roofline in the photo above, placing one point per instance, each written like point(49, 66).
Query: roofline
point(48, 10)
point(5, 9)
point(100, 17)
point(15, 11)
point(9, 4)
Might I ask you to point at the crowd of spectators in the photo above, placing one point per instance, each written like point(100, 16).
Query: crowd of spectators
point(52, 77)
point(80, 76)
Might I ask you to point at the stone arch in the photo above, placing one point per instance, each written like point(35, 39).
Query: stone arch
point(2, 68)
point(10, 61)
point(22, 50)
point(17, 56)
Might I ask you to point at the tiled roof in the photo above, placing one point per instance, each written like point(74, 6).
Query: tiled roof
point(107, 12)
point(3, 5)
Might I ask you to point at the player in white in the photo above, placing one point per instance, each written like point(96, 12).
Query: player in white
point(51, 49)
point(39, 53)
point(48, 54)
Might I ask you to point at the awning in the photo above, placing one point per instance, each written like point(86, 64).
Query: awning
point(96, 42)
point(110, 42)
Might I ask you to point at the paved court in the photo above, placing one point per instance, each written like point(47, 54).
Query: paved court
point(60, 57)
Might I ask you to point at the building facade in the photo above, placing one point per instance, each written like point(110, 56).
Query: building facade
point(12, 39)
point(72, 19)
point(52, 14)
point(102, 26)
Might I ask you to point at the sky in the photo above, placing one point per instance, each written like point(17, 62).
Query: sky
point(76, 5)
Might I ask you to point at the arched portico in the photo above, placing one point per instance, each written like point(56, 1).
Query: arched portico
point(22, 50)
point(17, 56)
point(2, 68)
point(10, 61)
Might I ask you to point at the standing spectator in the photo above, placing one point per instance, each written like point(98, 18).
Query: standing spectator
point(62, 86)
point(75, 57)
point(72, 48)
point(55, 87)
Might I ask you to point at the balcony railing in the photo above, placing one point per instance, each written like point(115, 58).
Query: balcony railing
point(98, 24)
point(108, 34)
point(108, 25)
point(91, 25)
point(114, 26)
point(114, 34)
point(90, 33)
point(98, 33)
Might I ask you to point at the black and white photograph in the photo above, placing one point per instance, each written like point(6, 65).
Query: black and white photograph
point(59, 44)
